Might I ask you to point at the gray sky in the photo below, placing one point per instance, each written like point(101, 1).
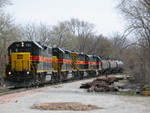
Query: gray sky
point(102, 13)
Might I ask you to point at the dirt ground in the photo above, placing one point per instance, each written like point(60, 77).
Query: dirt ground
point(70, 93)
point(73, 106)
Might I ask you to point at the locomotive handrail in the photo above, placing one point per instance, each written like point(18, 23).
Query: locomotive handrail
point(33, 67)
point(15, 64)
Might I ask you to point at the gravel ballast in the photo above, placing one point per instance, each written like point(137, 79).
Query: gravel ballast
point(70, 92)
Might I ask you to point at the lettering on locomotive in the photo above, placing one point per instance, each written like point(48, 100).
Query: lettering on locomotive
point(19, 56)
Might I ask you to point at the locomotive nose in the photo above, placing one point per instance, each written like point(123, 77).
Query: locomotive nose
point(21, 62)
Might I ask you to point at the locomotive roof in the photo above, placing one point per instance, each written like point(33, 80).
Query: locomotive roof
point(32, 42)
point(90, 55)
point(60, 49)
point(38, 44)
point(66, 50)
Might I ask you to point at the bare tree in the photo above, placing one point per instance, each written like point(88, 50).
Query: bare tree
point(74, 35)
point(29, 32)
point(82, 31)
point(44, 34)
point(100, 45)
point(9, 32)
point(4, 2)
point(62, 35)
point(119, 43)
point(3, 22)
point(137, 14)
point(37, 32)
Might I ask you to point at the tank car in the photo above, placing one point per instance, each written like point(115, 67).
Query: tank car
point(119, 66)
point(112, 66)
point(105, 66)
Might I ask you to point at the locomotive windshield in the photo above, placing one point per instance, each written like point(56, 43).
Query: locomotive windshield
point(23, 47)
point(20, 49)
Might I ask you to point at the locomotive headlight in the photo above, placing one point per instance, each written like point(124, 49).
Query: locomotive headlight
point(22, 44)
point(9, 73)
point(28, 72)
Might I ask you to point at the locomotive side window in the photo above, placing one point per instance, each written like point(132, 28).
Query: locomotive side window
point(28, 45)
point(17, 45)
point(23, 49)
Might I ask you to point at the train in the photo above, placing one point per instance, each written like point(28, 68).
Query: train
point(32, 63)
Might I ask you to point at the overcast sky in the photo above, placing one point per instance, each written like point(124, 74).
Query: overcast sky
point(102, 13)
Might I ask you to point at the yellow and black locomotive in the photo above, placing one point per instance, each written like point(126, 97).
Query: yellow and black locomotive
point(31, 63)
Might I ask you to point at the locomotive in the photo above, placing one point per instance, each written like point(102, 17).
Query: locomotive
point(31, 63)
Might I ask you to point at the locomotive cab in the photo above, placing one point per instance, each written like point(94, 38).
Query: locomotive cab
point(20, 67)
point(19, 58)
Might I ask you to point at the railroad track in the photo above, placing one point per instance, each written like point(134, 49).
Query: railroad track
point(5, 91)
point(10, 90)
